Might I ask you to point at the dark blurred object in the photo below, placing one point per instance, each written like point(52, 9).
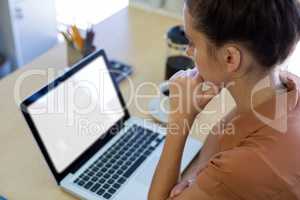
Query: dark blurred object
point(176, 53)
point(2, 59)
point(5, 66)
point(119, 71)
point(89, 40)
point(2, 198)
point(177, 63)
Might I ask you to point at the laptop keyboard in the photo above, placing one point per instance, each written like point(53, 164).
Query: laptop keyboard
point(111, 170)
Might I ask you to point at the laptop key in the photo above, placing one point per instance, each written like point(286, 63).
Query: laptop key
point(131, 150)
point(147, 153)
point(102, 180)
point(110, 181)
point(115, 167)
point(91, 173)
point(94, 179)
point(116, 185)
point(85, 178)
point(81, 183)
point(135, 165)
point(113, 152)
point(99, 165)
point(115, 176)
point(112, 190)
point(127, 154)
point(106, 176)
point(132, 159)
point(77, 180)
point(99, 174)
point(120, 162)
point(104, 169)
point(95, 169)
point(81, 175)
point(144, 146)
point(88, 185)
point(151, 149)
point(105, 186)
point(109, 155)
point(108, 165)
point(95, 187)
point(125, 157)
point(128, 163)
point(122, 151)
point(107, 195)
point(121, 180)
point(131, 143)
point(120, 172)
point(101, 192)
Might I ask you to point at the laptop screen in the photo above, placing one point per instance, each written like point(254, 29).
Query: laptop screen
point(75, 114)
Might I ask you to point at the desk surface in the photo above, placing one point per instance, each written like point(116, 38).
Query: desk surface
point(132, 36)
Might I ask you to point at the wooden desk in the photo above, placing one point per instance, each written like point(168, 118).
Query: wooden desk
point(132, 36)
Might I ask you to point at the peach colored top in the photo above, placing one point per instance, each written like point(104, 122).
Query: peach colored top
point(260, 157)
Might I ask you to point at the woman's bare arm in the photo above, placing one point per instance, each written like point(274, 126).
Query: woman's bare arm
point(168, 169)
point(209, 148)
point(183, 108)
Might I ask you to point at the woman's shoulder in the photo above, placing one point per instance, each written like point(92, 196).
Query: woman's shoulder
point(245, 171)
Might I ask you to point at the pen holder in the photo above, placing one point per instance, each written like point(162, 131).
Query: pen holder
point(74, 55)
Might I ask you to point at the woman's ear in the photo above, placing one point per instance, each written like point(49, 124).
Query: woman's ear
point(232, 58)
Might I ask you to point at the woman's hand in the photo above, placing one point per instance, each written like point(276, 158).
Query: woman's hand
point(187, 97)
point(188, 180)
point(180, 187)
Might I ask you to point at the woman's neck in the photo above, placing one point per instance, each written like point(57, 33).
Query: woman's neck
point(252, 90)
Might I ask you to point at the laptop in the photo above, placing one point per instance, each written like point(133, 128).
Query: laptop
point(92, 145)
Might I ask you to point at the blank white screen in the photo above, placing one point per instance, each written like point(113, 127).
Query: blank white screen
point(71, 117)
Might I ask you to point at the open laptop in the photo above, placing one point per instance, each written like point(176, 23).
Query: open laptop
point(93, 147)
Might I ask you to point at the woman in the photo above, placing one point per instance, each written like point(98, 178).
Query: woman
point(238, 45)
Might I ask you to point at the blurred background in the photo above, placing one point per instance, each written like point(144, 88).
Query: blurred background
point(29, 28)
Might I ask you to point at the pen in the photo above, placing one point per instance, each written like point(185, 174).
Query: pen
point(90, 37)
point(67, 37)
point(77, 39)
point(88, 43)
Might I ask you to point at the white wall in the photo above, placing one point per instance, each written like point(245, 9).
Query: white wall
point(85, 12)
point(169, 7)
point(293, 64)
point(28, 28)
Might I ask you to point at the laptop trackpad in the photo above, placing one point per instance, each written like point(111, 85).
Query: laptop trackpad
point(146, 173)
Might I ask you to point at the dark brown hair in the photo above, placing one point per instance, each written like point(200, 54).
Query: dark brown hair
point(269, 29)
